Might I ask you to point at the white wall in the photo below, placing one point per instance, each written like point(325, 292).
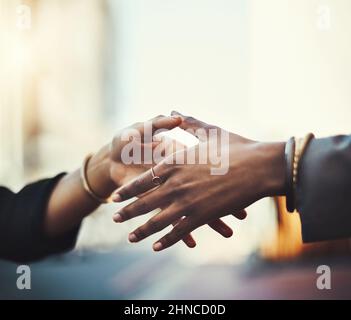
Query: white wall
point(11, 64)
point(300, 77)
point(192, 55)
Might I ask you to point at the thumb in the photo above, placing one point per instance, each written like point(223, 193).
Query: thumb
point(194, 126)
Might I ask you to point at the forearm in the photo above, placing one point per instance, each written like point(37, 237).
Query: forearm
point(69, 203)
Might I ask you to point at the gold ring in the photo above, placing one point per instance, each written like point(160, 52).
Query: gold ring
point(156, 180)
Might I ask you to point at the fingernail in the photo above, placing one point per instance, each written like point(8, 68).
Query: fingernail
point(132, 238)
point(157, 246)
point(192, 244)
point(228, 234)
point(117, 218)
point(116, 198)
point(176, 117)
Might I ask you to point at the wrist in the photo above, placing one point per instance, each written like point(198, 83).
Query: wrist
point(272, 168)
point(98, 173)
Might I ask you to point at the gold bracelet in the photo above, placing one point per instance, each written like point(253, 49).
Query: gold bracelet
point(300, 147)
point(85, 183)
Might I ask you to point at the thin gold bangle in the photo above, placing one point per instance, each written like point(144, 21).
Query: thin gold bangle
point(85, 183)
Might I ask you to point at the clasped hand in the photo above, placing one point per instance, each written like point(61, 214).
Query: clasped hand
point(190, 196)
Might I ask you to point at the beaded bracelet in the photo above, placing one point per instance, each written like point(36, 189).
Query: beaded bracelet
point(289, 161)
point(294, 150)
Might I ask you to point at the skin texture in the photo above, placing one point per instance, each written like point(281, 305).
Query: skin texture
point(193, 197)
point(69, 202)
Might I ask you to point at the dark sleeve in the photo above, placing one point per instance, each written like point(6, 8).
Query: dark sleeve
point(324, 189)
point(22, 237)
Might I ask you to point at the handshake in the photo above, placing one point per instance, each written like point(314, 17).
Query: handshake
point(221, 175)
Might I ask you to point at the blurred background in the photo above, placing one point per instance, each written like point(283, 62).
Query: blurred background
point(73, 72)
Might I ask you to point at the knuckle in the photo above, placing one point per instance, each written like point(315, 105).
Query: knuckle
point(140, 233)
point(154, 224)
point(123, 193)
point(124, 214)
point(178, 230)
point(127, 193)
point(167, 240)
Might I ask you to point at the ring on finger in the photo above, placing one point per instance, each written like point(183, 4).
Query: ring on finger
point(156, 180)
